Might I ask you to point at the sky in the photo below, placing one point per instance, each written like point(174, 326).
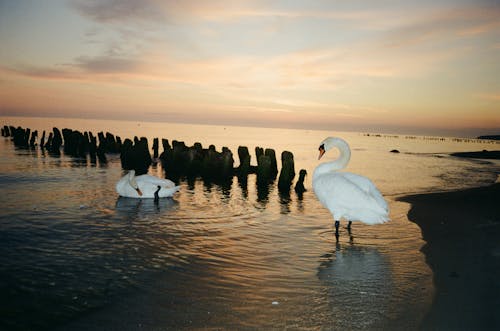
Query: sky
point(423, 67)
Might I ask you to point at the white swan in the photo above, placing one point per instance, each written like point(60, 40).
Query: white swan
point(145, 186)
point(347, 195)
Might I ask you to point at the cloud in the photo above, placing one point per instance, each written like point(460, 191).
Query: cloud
point(161, 11)
point(83, 68)
point(111, 11)
point(388, 53)
point(390, 45)
point(106, 64)
point(41, 72)
point(445, 25)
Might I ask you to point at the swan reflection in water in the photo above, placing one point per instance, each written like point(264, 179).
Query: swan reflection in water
point(358, 285)
point(126, 205)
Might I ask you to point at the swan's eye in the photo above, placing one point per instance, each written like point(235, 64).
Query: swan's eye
point(322, 147)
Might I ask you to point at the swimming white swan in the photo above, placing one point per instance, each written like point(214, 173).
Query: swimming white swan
point(145, 186)
point(347, 195)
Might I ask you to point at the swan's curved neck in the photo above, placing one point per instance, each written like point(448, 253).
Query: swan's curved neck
point(131, 180)
point(340, 162)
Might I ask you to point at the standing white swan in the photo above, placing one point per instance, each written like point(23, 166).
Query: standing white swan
point(145, 186)
point(347, 195)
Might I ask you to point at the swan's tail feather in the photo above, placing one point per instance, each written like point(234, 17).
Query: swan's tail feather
point(168, 192)
point(371, 221)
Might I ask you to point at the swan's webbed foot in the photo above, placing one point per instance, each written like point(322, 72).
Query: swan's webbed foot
point(337, 224)
point(157, 198)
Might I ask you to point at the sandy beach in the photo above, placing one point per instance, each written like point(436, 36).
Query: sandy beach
point(462, 234)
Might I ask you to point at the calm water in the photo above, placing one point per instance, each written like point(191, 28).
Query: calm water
point(75, 256)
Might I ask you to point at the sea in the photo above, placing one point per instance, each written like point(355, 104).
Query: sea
point(76, 256)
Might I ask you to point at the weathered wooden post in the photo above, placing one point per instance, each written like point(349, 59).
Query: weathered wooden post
point(287, 171)
point(34, 135)
point(258, 152)
point(84, 146)
point(111, 144)
point(125, 154)
point(102, 140)
point(48, 145)
point(20, 136)
point(80, 147)
point(165, 144)
point(118, 144)
point(209, 163)
point(263, 169)
point(101, 150)
point(179, 150)
point(244, 156)
point(227, 163)
point(143, 157)
point(274, 165)
point(155, 148)
point(299, 186)
point(68, 143)
point(166, 155)
point(195, 160)
point(57, 140)
point(92, 145)
point(26, 137)
point(42, 142)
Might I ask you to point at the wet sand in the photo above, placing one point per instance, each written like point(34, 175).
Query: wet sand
point(462, 234)
point(490, 155)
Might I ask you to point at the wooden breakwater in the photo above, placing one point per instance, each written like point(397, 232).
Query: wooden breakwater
point(177, 159)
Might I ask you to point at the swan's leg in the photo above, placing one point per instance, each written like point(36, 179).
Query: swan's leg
point(157, 198)
point(337, 223)
point(349, 226)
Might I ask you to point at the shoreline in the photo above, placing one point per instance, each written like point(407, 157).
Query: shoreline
point(462, 234)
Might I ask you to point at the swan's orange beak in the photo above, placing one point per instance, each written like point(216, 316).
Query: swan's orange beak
point(321, 151)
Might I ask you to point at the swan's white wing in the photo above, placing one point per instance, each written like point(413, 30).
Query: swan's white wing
point(124, 188)
point(153, 180)
point(344, 198)
point(367, 185)
point(337, 193)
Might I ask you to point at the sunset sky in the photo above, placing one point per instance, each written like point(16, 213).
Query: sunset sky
point(429, 67)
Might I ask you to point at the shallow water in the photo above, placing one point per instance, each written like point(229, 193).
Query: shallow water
point(75, 255)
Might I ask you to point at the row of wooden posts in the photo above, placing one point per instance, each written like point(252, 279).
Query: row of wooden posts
point(178, 160)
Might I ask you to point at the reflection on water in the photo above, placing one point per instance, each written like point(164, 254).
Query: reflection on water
point(141, 207)
point(358, 279)
point(218, 255)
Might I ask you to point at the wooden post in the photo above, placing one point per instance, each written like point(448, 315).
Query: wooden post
point(287, 171)
point(244, 156)
point(42, 142)
point(57, 141)
point(274, 165)
point(34, 135)
point(227, 162)
point(264, 170)
point(299, 186)
point(155, 147)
